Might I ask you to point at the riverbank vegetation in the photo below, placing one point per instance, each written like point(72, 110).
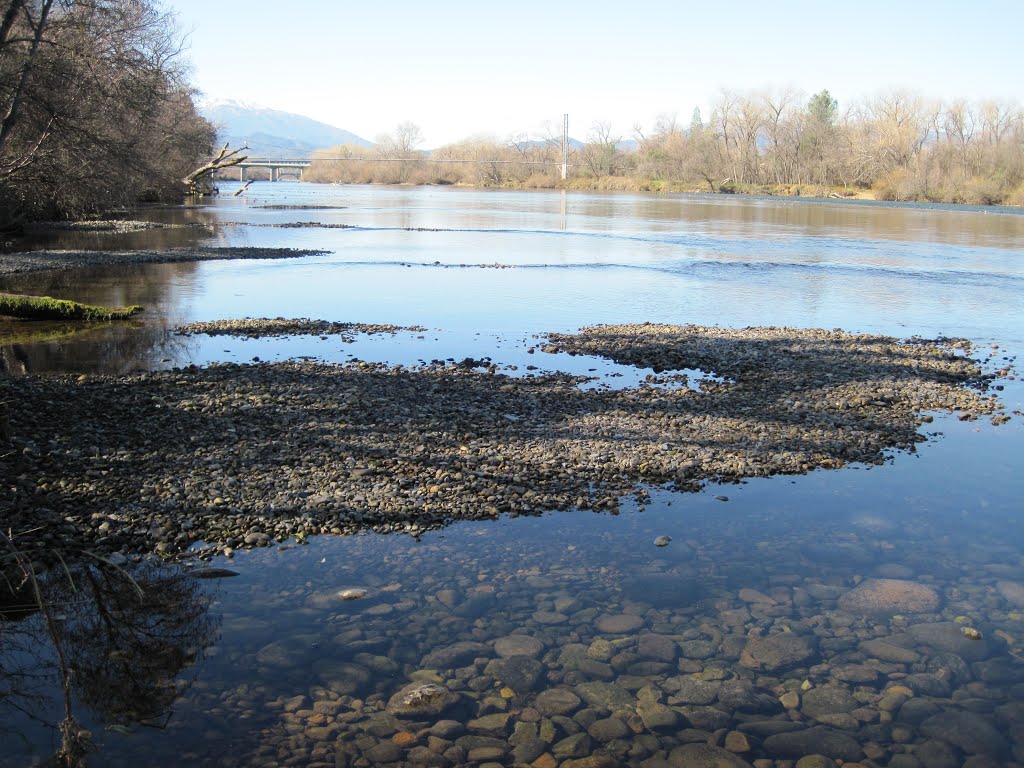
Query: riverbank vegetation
point(95, 107)
point(896, 146)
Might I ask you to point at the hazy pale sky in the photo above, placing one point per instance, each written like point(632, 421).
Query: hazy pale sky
point(460, 68)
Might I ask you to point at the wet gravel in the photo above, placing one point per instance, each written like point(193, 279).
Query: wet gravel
point(43, 261)
point(259, 327)
point(104, 225)
point(246, 455)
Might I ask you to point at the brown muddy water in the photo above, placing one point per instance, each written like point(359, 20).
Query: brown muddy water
point(872, 615)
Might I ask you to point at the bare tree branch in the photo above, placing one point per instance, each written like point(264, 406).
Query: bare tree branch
point(224, 159)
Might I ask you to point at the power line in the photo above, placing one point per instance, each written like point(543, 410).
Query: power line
point(440, 160)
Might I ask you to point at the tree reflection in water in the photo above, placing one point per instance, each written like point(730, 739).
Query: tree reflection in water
point(118, 638)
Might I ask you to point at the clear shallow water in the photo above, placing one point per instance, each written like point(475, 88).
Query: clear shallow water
point(947, 517)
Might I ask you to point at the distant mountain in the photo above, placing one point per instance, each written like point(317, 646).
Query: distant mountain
point(273, 133)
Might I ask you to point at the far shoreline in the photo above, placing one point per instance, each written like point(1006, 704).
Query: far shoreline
point(1013, 210)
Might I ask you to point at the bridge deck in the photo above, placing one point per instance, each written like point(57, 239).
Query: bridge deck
point(259, 162)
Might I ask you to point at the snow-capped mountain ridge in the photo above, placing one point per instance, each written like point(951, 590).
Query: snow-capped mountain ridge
point(273, 132)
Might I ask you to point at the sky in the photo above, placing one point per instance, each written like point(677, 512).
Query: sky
point(459, 68)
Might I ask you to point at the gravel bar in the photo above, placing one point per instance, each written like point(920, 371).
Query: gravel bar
point(117, 226)
point(246, 455)
point(258, 327)
point(43, 261)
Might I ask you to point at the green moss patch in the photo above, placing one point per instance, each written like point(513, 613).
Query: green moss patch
point(47, 308)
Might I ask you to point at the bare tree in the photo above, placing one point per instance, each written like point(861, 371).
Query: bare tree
point(783, 145)
point(601, 152)
point(94, 105)
point(400, 150)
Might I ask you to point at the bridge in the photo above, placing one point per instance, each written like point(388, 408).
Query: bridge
point(275, 166)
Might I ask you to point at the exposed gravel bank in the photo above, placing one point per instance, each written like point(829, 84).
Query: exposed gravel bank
point(244, 455)
point(257, 327)
point(291, 225)
point(118, 226)
point(42, 261)
point(302, 207)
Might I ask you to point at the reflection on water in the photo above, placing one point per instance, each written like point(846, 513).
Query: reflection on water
point(121, 640)
point(830, 613)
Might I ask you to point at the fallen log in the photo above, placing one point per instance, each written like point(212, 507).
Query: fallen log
point(224, 159)
point(47, 308)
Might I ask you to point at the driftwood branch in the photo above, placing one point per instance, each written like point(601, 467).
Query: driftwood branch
point(242, 188)
point(224, 159)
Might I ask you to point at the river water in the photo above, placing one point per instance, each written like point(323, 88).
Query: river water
point(271, 667)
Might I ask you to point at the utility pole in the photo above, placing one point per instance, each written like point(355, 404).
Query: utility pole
point(565, 146)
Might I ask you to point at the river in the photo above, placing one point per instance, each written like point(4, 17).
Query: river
point(270, 667)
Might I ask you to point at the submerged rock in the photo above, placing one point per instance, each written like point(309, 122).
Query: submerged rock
point(455, 655)
point(814, 741)
point(212, 573)
point(704, 756)
point(664, 590)
point(889, 597)
point(518, 645)
point(946, 636)
point(779, 652)
point(620, 624)
point(342, 676)
point(972, 733)
point(827, 700)
point(557, 701)
point(520, 673)
point(606, 696)
point(1012, 592)
point(422, 700)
